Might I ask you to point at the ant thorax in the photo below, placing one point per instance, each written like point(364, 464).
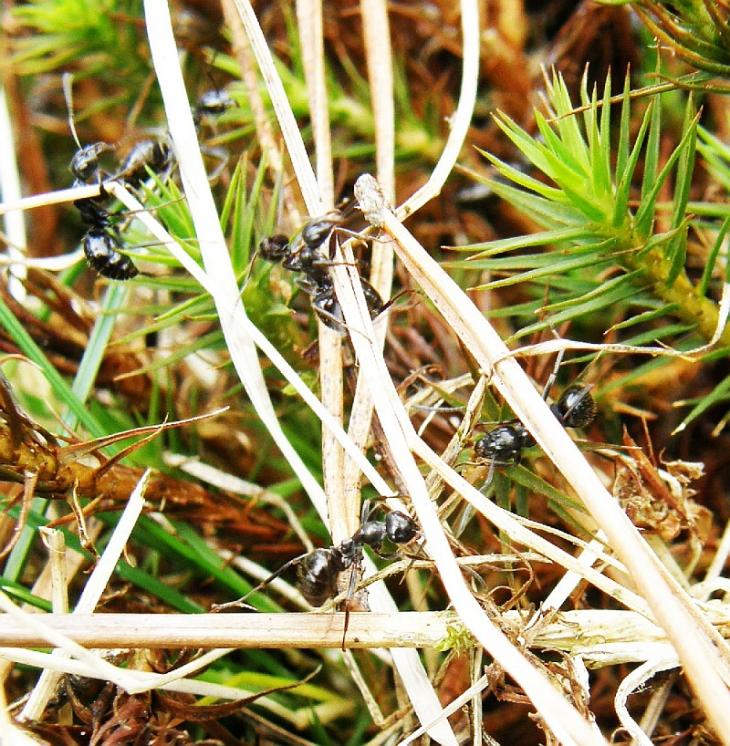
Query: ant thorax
point(503, 445)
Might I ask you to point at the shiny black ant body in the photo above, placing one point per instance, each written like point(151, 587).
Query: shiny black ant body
point(306, 256)
point(102, 242)
point(503, 446)
point(318, 571)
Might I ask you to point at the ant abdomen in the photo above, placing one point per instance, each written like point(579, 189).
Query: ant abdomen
point(318, 571)
point(101, 249)
point(576, 407)
point(504, 444)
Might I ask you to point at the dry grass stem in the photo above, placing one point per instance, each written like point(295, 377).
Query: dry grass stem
point(600, 637)
point(670, 605)
point(524, 564)
point(93, 589)
point(461, 120)
point(287, 123)
point(377, 42)
point(14, 222)
point(341, 517)
point(561, 717)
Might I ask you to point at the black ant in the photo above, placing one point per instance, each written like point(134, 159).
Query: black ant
point(101, 242)
point(319, 570)
point(503, 446)
point(305, 255)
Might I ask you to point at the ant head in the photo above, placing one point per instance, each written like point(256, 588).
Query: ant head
point(346, 554)
point(400, 528)
point(85, 162)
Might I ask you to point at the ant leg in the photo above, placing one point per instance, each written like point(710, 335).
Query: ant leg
point(556, 368)
point(354, 572)
point(221, 155)
point(437, 409)
point(249, 269)
point(261, 585)
point(391, 301)
point(490, 477)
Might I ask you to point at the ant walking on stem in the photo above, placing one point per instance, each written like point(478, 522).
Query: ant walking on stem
point(304, 253)
point(319, 570)
point(503, 446)
point(102, 242)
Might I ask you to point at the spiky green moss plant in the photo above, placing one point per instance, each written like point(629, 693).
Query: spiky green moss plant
point(613, 258)
point(99, 36)
point(697, 30)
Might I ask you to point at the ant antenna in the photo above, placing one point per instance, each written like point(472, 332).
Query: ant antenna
point(67, 81)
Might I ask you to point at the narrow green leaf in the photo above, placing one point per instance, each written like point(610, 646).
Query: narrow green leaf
point(543, 238)
point(527, 145)
point(525, 180)
point(554, 267)
point(712, 258)
point(60, 388)
point(21, 593)
point(625, 175)
point(568, 124)
point(545, 212)
point(651, 336)
point(677, 248)
point(622, 149)
point(645, 215)
point(114, 298)
point(604, 287)
point(604, 185)
point(645, 317)
point(651, 163)
point(523, 476)
point(559, 150)
point(605, 300)
point(720, 393)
